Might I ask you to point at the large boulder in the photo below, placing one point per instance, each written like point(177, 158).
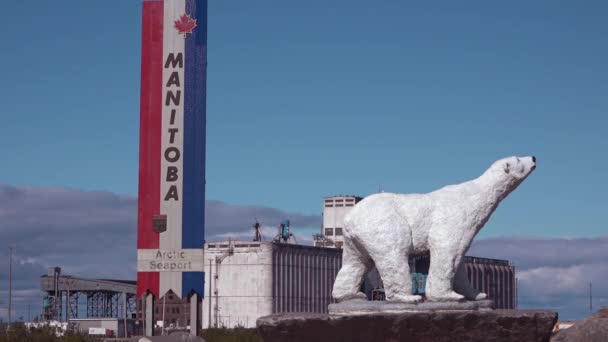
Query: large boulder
point(437, 326)
point(174, 337)
point(591, 329)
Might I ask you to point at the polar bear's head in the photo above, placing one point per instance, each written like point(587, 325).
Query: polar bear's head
point(509, 172)
point(517, 167)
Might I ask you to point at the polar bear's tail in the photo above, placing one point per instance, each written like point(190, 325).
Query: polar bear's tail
point(348, 222)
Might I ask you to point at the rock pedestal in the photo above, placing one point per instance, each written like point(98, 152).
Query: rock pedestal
point(366, 307)
point(175, 337)
point(436, 326)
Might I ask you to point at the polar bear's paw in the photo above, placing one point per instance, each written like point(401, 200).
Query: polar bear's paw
point(481, 296)
point(353, 296)
point(359, 295)
point(404, 298)
point(446, 297)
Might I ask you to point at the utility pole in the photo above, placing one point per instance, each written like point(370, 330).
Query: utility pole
point(209, 296)
point(29, 318)
point(590, 299)
point(516, 293)
point(10, 284)
point(163, 329)
point(67, 305)
point(124, 302)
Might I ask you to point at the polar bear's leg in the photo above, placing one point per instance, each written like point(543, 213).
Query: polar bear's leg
point(354, 267)
point(442, 270)
point(463, 286)
point(394, 269)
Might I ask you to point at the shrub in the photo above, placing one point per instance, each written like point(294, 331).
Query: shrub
point(19, 333)
point(231, 335)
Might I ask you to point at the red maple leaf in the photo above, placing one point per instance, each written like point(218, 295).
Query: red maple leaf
point(185, 24)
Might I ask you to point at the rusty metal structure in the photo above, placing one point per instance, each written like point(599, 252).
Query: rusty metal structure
point(67, 297)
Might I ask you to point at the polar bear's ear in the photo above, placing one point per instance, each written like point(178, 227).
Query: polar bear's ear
point(507, 167)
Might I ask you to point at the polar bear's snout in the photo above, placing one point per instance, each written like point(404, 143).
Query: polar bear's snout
point(533, 163)
point(519, 166)
point(529, 164)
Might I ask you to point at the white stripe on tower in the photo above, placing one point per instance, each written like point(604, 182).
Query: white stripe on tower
point(172, 119)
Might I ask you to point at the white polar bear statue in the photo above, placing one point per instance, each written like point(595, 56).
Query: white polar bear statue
point(385, 229)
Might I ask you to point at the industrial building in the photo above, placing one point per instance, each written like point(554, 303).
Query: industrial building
point(246, 280)
point(170, 312)
point(494, 277)
point(332, 230)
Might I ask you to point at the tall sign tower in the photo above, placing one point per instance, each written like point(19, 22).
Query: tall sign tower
point(171, 217)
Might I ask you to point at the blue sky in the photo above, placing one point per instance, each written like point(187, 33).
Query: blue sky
point(314, 98)
point(309, 99)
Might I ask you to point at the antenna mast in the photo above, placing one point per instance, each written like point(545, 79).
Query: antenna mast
point(257, 235)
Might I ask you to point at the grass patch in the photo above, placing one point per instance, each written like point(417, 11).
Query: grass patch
point(231, 335)
point(19, 333)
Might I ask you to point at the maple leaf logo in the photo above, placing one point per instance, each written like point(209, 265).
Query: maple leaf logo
point(185, 24)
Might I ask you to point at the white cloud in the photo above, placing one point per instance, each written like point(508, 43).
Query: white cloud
point(554, 273)
point(92, 234)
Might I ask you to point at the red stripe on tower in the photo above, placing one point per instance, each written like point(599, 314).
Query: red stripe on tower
point(150, 135)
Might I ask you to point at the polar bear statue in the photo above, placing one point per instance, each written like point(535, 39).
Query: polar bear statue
point(385, 229)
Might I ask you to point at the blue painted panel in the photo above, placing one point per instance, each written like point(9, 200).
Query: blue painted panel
point(195, 95)
point(193, 282)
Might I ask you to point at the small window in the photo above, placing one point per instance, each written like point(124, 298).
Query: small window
point(329, 231)
point(339, 204)
point(338, 231)
point(170, 297)
point(176, 310)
